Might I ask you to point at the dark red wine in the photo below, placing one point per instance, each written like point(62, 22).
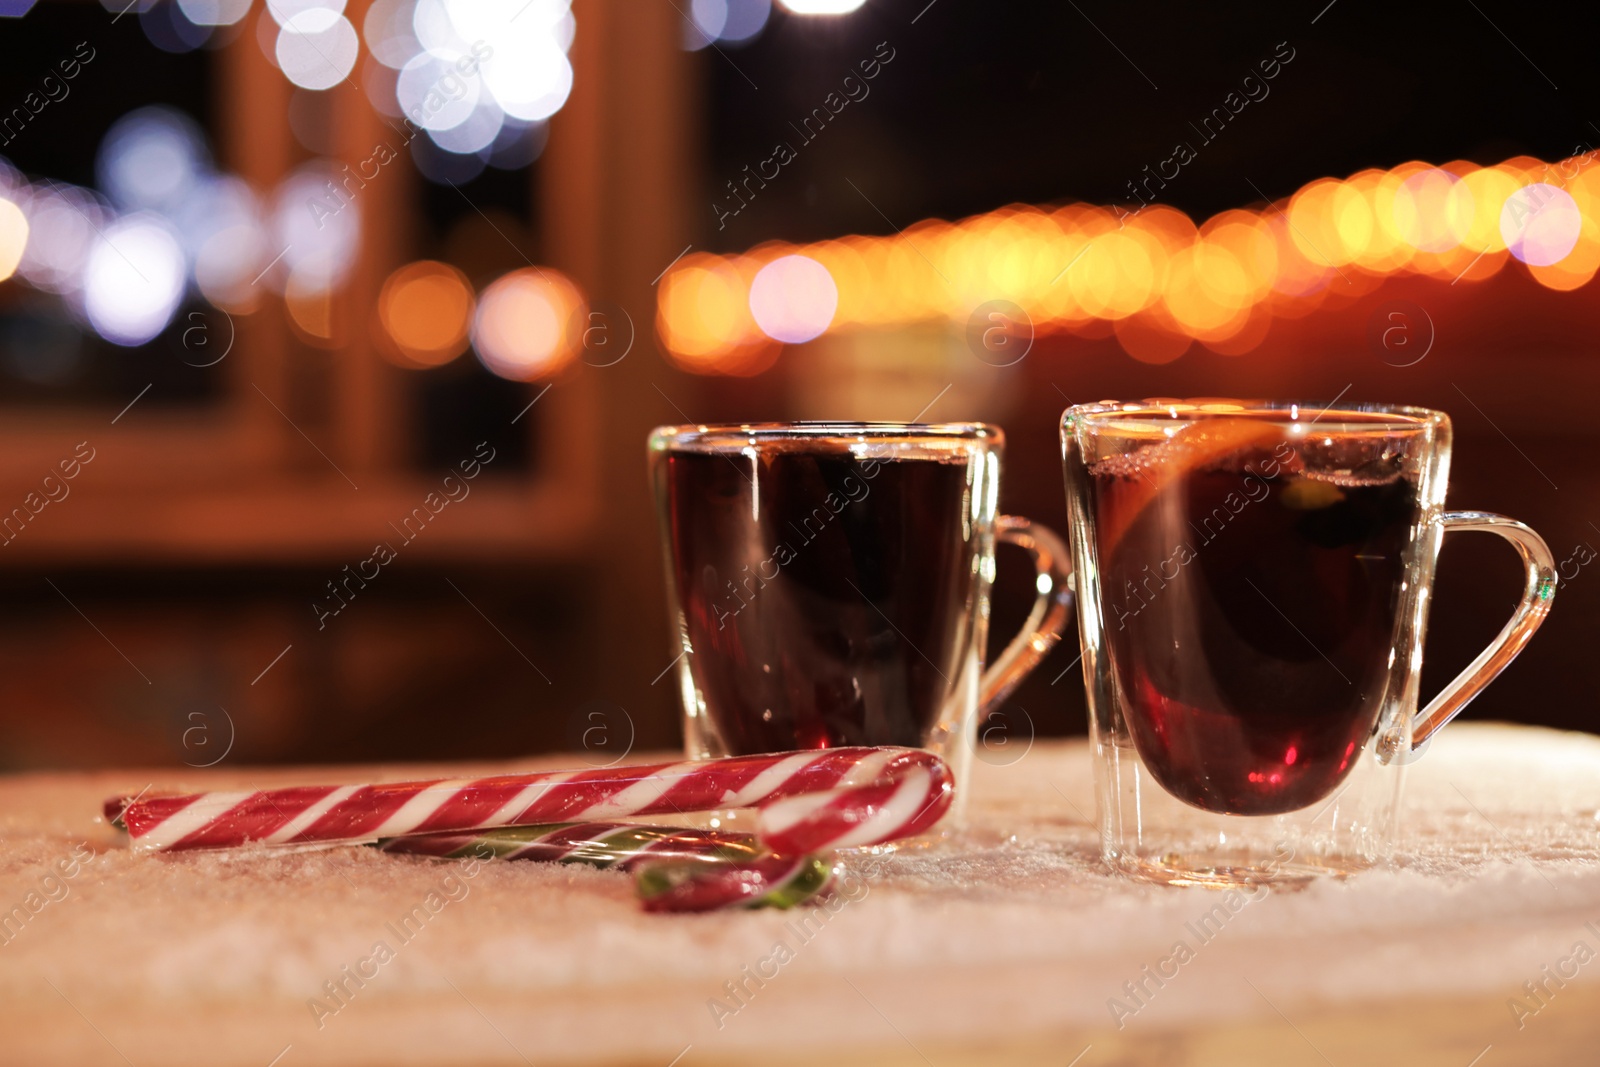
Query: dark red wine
point(1251, 596)
point(825, 598)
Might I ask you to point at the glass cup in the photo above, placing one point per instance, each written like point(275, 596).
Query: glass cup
point(829, 584)
point(1253, 583)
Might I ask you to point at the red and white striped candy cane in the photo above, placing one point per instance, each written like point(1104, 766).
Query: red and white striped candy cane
point(809, 801)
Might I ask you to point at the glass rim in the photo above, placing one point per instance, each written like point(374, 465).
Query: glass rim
point(736, 436)
point(1160, 412)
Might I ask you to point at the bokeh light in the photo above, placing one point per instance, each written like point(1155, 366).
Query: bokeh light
point(705, 22)
point(521, 330)
point(1433, 210)
point(433, 93)
point(169, 28)
point(442, 165)
point(793, 299)
point(704, 310)
point(13, 237)
point(378, 82)
point(317, 47)
point(745, 19)
point(124, 262)
point(821, 7)
point(517, 144)
point(475, 133)
point(133, 281)
point(425, 313)
point(1149, 277)
point(530, 82)
point(217, 203)
point(724, 22)
point(1540, 224)
point(284, 12)
point(150, 159)
point(316, 223)
point(387, 30)
point(1152, 338)
point(224, 238)
point(478, 75)
point(311, 309)
point(63, 221)
point(215, 12)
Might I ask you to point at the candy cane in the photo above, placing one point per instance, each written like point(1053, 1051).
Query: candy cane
point(808, 801)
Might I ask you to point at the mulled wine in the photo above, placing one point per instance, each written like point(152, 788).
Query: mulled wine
point(1251, 585)
point(826, 596)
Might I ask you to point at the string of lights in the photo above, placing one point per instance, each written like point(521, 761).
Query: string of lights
point(1162, 281)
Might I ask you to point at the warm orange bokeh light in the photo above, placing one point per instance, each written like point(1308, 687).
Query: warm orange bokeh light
point(703, 315)
point(1579, 265)
point(524, 327)
point(13, 237)
point(1154, 279)
point(1433, 210)
point(424, 314)
point(312, 314)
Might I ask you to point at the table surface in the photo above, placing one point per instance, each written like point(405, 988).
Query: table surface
point(1007, 946)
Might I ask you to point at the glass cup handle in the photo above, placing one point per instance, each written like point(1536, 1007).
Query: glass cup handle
point(1050, 608)
point(1535, 605)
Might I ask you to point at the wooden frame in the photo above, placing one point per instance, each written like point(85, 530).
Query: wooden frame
point(241, 482)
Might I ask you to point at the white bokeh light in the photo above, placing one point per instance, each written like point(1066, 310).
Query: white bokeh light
point(133, 281)
point(724, 21)
point(434, 93)
point(435, 29)
point(1540, 224)
point(563, 31)
point(469, 69)
point(12, 183)
point(63, 220)
point(793, 299)
point(388, 33)
point(518, 144)
point(218, 202)
point(500, 22)
point(228, 263)
point(284, 11)
point(822, 7)
point(475, 134)
point(170, 29)
point(444, 167)
point(316, 224)
point(222, 234)
point(706, 21)
point(150, 159)
point(746, 18)
point(378, 82)
point(317, 48)
point(530, 82)
point(214, 12)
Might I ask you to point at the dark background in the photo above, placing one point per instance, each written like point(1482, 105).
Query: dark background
point(988, 104)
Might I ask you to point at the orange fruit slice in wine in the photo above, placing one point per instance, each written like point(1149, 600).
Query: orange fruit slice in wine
point(1191, 448)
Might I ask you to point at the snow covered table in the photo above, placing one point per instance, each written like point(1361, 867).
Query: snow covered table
point(1012, 947)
